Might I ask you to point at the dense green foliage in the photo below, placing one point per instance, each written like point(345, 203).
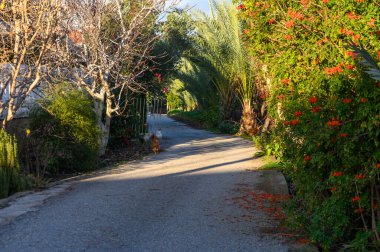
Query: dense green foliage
point(229, 127)
point(198, 118)
point(63, 135)
point(220, 53)
point(174, 101)
point(193, 85)
point(206, 119)
point(326, 111)
point(214, 69)
point(10, 178)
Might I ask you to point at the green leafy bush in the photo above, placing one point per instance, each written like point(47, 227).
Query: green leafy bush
point(64, 135)
point(10, 178)
point(198, 118)
point(326, 111)
point(269, 143)
point(229, 127)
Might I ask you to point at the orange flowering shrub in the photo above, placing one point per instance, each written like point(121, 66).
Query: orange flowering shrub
point(327, 111)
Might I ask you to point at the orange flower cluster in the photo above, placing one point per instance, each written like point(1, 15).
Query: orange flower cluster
point(333, 70)
point(295, 122)
point(316, 109)
point(285, 81)
point(363, 100)
point(350, 67)
point(295, 15)
point(355, 199)
point(305, 3)
point(313, 99)
point(334, 123)
point(372, 23)
point(288, 37)
point(359, 176)
point(297, 113)
point(159, 77)
point(271, 21)
point(290, 24)
point(333, 189)
point(352, 15)
point(356, 37)
point(347, 32)
point(307, 158)
point(350, 33)
point(337, 174)
point(353, 55)
point(240, 7)
point(346, 100)
point(378, 166)
point(344, 135)
point(320, 42)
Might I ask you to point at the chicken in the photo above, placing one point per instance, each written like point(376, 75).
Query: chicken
point(159, 134)
point(154, 143)
point(147, 136)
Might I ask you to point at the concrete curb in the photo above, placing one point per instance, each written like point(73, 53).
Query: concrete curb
point(23, 203)
point(5, 202)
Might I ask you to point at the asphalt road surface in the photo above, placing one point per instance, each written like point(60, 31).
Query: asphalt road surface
point(178, 200)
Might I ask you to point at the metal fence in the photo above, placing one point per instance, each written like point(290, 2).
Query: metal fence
point(138, 112)
point(157, 106)
point(137, 116)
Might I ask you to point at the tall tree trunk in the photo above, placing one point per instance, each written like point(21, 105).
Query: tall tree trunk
point(107, 125)
point(248, 123)
point(103, 126)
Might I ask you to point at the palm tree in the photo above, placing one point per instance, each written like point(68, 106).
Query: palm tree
point(197, 82)
point(222, 54)
point(367, 61)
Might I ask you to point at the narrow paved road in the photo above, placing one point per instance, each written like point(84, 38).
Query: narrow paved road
point(177, 200)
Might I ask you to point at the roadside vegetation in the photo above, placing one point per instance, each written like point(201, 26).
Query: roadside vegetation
point(301, 79)
point(304, 76)
point(74, 90)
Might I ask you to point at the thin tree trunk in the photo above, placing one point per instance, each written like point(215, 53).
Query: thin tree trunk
point(107, 125)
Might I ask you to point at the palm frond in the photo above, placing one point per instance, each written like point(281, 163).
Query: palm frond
point(366, 60)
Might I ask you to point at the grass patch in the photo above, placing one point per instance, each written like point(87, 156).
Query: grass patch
point(206, 119)
point(259, 154)
point(272, 165)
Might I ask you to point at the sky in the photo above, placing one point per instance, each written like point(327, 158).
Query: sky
point(198, 4)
